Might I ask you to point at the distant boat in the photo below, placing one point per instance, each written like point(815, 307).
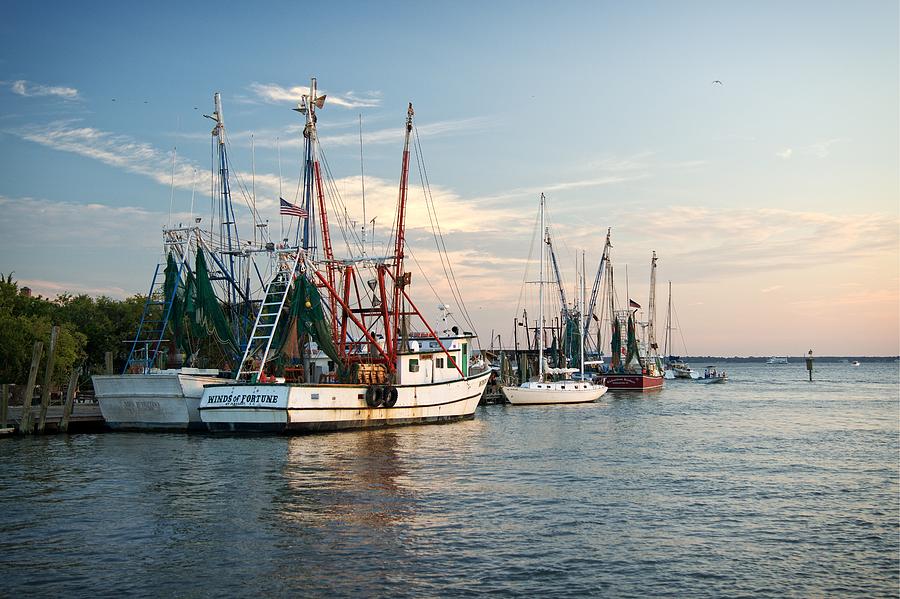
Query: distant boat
point(675, 367)
point(777, 360)
point(641, 369)
point(712, 376)
point(854, 363)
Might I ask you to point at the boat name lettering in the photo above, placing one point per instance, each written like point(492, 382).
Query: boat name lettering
point(251, 398)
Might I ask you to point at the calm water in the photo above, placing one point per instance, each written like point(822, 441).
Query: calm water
point(766, 486)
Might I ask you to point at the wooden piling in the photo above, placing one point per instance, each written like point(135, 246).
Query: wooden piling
point(25, 424)
point(70, 400)
point(4, 405)
point(48, 379)
point(107, 357)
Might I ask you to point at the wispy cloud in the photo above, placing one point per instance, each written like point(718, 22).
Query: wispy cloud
point(133, 156)
point(291, 137)
point(29, 89)
point(722, 244)
point(274, 93)
point(40, 223)
point(535, 190)
point(821, 149)
point(120, 151)
point(771, 289)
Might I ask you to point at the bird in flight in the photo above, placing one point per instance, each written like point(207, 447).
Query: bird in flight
point(717, 82)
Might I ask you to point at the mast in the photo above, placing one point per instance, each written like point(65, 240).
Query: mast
point(651, 318)
point(312, 182)
point(562, 292)
point(541, 305)
point(227, 226)
point(596, 290)
point(668, 340)
point(400, 279)
point(581, 326)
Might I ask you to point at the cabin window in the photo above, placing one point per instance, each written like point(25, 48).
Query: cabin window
point(439, 362)
point(414, 365)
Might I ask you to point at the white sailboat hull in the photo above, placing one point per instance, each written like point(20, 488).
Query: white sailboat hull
point(162, 401)
point(310, 408)
point(553, 393)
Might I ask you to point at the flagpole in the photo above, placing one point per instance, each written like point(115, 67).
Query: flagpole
point(280, 192)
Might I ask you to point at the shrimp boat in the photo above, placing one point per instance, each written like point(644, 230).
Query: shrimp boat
point(544, 389)
point(640, 368)
point(197, 313)
point(386, 365)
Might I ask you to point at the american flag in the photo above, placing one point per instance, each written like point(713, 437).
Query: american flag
point(292, 209)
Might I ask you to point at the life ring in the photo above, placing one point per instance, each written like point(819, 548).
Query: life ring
point(373, 396)
point(390, 397)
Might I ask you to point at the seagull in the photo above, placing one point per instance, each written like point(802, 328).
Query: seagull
point(717, 81)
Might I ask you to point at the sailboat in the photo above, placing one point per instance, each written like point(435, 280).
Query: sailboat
point(384, 363)
point(545, 390)
point(183, 324)
point(640, 368)
point(675, 367)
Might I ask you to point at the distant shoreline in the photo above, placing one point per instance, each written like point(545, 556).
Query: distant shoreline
point(791, 359)
point(800, 359)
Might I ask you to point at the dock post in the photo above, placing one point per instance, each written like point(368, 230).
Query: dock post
point(107, 358)
point(25, 423)
point(48, 379)
point(4, 405)
point(809, 364)
point(70, 400)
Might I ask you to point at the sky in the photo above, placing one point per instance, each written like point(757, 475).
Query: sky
point(772, 198)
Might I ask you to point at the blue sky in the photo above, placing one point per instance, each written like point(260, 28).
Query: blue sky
point(772, 199)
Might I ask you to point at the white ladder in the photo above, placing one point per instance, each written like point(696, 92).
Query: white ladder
point(257, 352)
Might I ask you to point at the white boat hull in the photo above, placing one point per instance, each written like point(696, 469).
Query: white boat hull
point(164, 401)
point(711, 380)
point(310, 408)
point(553, 393)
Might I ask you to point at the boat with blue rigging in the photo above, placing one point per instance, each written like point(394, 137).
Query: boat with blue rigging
point(196, 316)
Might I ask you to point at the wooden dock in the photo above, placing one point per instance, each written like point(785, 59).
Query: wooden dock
point(85, 418)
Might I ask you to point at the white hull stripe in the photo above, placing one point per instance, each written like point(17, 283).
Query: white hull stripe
point(333, 408)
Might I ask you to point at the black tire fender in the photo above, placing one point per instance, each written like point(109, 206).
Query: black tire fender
point(390, 397)
point(373, 396)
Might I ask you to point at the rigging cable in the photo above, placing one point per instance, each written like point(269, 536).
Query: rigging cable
point(439, 237)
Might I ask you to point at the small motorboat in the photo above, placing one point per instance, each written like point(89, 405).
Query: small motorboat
point(712, 376)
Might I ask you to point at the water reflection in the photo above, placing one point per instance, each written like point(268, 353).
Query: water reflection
point(345, 479)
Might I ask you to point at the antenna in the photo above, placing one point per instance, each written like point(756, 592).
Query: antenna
point(362, 181)
point(280, 192)
point(172, 194)
point(253, 182)
point(193, 186)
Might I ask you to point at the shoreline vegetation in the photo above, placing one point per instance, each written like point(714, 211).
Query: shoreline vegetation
point(89, 327)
